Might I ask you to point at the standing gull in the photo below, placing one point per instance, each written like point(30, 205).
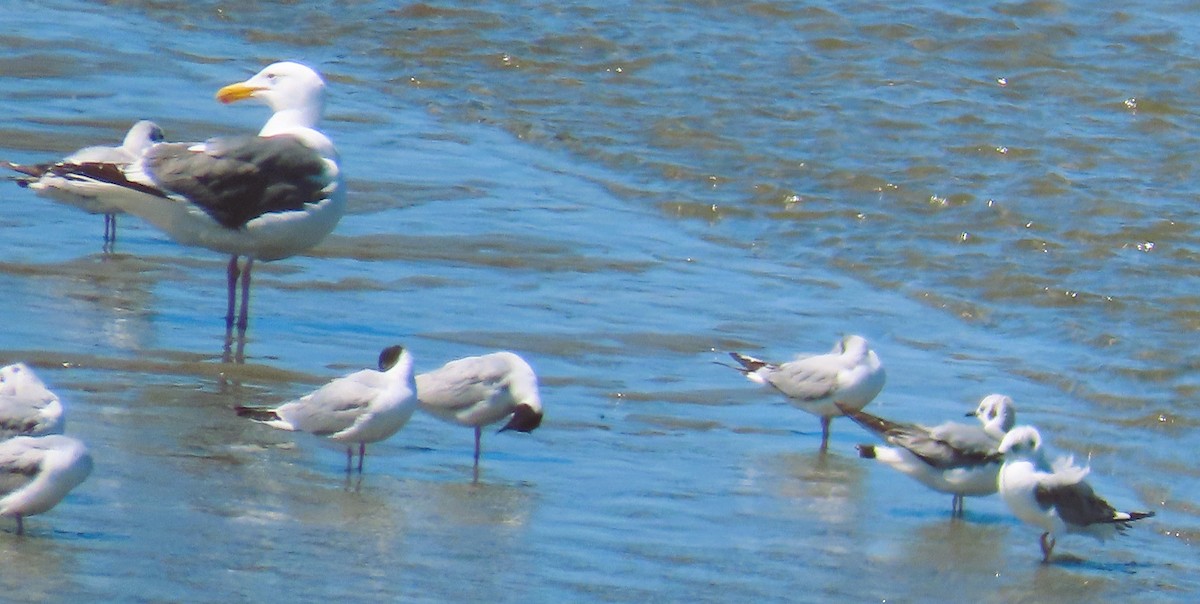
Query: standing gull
point(43, 179)
point(956, 458)
point(37, 472)
point(483, 390)
point(27, 406)
point(364, 407)
point(850, 374)
point(1054, 496)
point(264, 197)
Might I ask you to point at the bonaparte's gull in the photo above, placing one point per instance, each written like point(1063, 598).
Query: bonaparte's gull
point(850, 374)
point(364, 407)
point(1054, 496)
point(42, 179)
point(956, 458)
point(37, 472)
point(482, 390)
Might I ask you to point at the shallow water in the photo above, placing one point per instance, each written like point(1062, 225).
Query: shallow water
point(1001, 198)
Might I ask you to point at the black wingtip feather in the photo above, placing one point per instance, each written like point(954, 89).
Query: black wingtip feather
point(256, 413)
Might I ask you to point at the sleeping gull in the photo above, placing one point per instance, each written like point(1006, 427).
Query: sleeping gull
point(263, 197)
point(37, 472)
point(956, 458)
point(40, 178)
point(1054, 496)
point(364, 407)
point(27, 406)
point(850, 374)
point(482, 390)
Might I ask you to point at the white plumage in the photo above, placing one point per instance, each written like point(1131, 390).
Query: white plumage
point(37, 472)
point(27, 406)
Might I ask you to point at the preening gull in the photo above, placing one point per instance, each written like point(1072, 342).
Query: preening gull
point(956, 458)
point(37, 472)
point(43, 179)
point(364, 407)
point(263, 197)
point(483, 390)
point(850, 374)
point(1054, 496)
point(27, 406)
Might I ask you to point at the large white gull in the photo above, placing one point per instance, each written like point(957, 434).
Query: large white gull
point(263, 197)
point(43, 179)
point(850, 374)
point(27, 406)
point(482, 390)
point(1054, 496)
point(364, 407)
point(952, 457)
point(37, 472)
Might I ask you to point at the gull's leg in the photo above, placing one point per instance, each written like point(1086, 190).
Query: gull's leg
point(1047, 542)
point(244, 316)
point(825, 421)
point(349, 458)
point(362, 452)
point(478, 432)
point(20, 525)
point(231, 278)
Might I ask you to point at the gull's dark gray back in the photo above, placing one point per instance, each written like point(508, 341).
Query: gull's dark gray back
point(241, 178)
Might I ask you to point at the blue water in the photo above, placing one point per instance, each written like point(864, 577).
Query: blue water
point(999, 197)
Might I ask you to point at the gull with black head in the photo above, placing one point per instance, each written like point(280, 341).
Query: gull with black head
point(366, 406)
point(482, 390)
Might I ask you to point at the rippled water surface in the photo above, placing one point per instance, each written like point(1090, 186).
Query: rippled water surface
point(1002, 198)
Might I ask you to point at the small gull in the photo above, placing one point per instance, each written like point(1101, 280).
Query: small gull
point(43, 179)
point(1053, 496)
point(482, 390)
point(264, 197)
point(956, 458)
point(27, 406)
point(364, 407)
point(850, 374)
point(37, 472)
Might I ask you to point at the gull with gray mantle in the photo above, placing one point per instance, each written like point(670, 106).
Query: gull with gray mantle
point(956, 458)
point(850, 375)
point(1053, 496)
point(264, 197)
point(364, 407)
point(46, 179)
point(483, 390)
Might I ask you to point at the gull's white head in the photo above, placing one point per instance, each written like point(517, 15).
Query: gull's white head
point(998, 414)
point(141, 136)
point(1022, 441)
point(19, 379)
point(853, 345)
point(288, 88)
